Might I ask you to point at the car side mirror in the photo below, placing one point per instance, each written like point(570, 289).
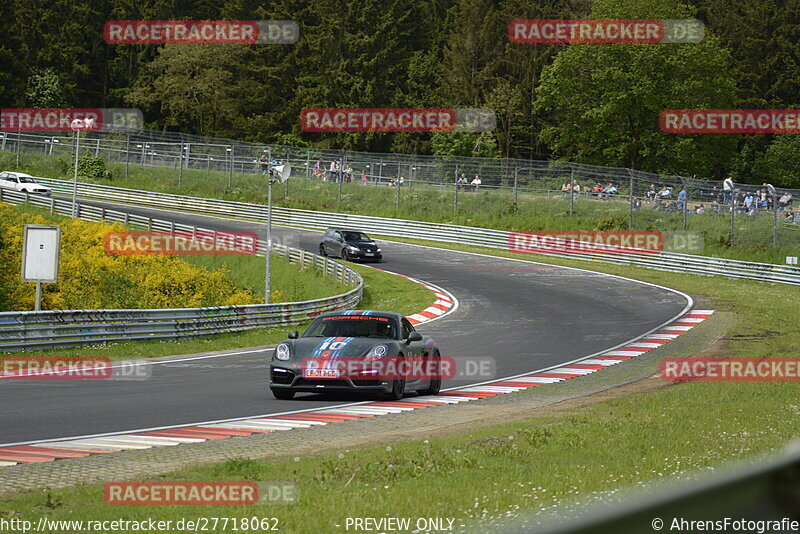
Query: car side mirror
point(414, 336)
point(294, 334)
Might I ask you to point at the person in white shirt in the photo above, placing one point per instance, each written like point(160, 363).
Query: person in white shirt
point(727, 190)
point(476, 182)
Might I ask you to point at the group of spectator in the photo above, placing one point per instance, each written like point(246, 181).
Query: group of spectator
point(461, 182)
point(336, 172)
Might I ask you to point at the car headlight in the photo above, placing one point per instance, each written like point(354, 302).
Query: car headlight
point(378, 351)
point(378, 249)
point(282, 351)
point(351, 248)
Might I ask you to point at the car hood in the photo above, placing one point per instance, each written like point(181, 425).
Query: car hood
point(363, 245)
point(347, 347)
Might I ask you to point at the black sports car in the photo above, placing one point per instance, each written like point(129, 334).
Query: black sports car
point(357, 350)
point(349, 245)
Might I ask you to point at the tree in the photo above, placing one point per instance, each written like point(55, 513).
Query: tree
point(782, 161)
point(604, 100)
point(44, 90)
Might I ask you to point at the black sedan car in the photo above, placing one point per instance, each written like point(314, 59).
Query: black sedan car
point(357, 351)
point(351, 245)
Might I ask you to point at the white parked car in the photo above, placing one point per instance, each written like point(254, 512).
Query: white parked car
point(24, 183)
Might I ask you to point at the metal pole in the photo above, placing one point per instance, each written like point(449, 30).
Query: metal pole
point(630, 200)
point(75, 177)
point(775, 219)
point(516, 178)
point(127, 154)
point(685, 205)
point(339, 177)
point(571, 191)
point(230, 174)
point(267, 296)
point(38, 305)
point(455, 192)
point(397, 185)
point(735, 193)
point(19, 145)
point(180, 166)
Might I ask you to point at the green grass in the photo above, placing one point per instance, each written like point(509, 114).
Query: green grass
point(487, 208)
point(527, 466)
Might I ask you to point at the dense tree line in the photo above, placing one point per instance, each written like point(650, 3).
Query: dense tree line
point(590, 103)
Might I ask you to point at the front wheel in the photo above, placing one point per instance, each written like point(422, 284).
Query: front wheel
point(322, 250)
point(283, 394)
point(436, 381)
point(398, 387)
point(345, 255)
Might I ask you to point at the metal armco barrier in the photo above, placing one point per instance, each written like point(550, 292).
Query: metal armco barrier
point(448, 233)
point(48, 329)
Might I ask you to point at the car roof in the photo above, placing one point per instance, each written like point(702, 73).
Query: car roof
point(371, 313)
point(339, 229)
point(18, 174)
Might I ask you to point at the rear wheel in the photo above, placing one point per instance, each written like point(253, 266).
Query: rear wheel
point(322, 250)
point(283, 394)
point(345, 255)
point(436, 381)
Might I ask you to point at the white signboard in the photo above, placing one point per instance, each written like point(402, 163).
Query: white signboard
point(40, 253)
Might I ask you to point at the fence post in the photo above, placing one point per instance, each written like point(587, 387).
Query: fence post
point(127, 154)
point(775, 218)
point(230, 174)
point(630, 200)
point(571, 191)
point(339, 176)
point(455, 191)
point(735, 193)
point(180, 166)
point(19, 146)
point(397, 185)
point(685, 202)
point(516, 176)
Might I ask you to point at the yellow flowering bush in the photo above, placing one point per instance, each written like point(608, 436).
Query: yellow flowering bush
point(91, 279)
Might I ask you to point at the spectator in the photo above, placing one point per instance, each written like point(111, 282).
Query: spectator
point(681, 198)
point(400, 182)
point(700, 209)
point(651, 194)
point(748, 203)
point(461, 181)
point(264, 162)
point(392, 181)
point(715, 206)
point(332, 170)
point(610, 189)
point(727, 190)
point(597, 190)
point(315, 170)
point(785, 200)
point(576, 189)
point(476, 182)
point(565, 189)
point(363, 177)
point(763, 202)
point(637, 203)
point(789, 215)
point(714, 194)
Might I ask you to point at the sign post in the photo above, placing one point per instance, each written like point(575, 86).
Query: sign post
point(41, 246)
point(279, 173)
point(77, 125)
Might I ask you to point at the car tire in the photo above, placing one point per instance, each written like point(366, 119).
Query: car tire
point(436, 383)
point(345, 255)
point(322, 250)
point(283, 394)
point(398, 389)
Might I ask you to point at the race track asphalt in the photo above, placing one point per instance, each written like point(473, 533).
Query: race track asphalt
point(526, 316)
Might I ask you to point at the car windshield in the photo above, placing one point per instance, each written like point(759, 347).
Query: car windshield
point(355, 236)
point(26, 180)
point(352, 326)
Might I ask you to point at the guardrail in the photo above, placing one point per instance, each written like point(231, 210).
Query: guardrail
point(48, 329)
point(448, 233)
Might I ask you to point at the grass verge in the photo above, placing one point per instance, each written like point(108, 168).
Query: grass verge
point(492, 473)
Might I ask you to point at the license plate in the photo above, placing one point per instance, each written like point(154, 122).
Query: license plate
point(368, 254)
point(321, 373)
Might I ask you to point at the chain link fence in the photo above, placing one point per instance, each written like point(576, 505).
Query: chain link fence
point(468, 190)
